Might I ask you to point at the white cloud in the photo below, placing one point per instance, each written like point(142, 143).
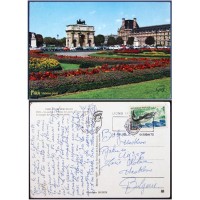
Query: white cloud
point(118, 20)
point(92, 12)
point(103, 26)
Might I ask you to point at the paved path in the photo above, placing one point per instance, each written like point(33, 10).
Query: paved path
point(76, 53)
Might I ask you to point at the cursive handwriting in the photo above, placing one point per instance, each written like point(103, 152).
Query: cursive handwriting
point(115, 155)
point(131, 184)
point(62, 153)
point(133, 170)
point(121, 138)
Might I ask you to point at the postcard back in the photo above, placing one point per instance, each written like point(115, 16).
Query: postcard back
point(100, 150)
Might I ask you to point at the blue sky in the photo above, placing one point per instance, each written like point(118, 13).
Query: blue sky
point(50, 18)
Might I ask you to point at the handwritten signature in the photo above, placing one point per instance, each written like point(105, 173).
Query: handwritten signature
point(130, 184)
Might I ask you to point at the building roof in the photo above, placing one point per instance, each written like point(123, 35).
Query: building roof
point(79, 25)
point(152, 28)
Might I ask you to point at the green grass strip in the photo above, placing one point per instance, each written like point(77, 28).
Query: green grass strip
point(129, 56)
point(155, 89)
point(67, 66)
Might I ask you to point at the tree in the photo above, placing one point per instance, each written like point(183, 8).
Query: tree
point(51, 41)
point(130, 40)
point(54, 41)
point(39, 40)
point(47, 40)
point(119, 40)
point(150, 40)
point(99, 40)
point(62, 42)
point(111, 41)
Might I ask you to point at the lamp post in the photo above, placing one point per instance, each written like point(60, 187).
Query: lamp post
point(156, 38)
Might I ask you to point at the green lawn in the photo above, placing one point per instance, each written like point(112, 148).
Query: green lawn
point(49, 52)
point(156, 89)
point(129, 56)
point(67, 66)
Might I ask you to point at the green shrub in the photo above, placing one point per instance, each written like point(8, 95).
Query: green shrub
point(87, 64)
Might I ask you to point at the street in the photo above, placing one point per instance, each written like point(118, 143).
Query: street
point(76, 53)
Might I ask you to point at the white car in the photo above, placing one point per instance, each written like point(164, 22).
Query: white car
point(116, 47)
point(111, 47)
point(72, 49)
point(97, 48)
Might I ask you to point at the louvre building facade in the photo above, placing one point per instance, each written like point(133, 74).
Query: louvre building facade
point(160, 33)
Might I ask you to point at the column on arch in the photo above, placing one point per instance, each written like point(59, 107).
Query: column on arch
point(78, 40)
point(87, 39)
point(92, 39)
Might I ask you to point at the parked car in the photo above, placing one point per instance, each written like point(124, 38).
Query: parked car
point(44, 49)
point(150, 47)
point(66, 49)
point(79, 48)
point(90, 48)
point(97, 48)
point(72, 49)
point(116, 47)
point(132, 47)
point(85, 48)
point(58, 48)
point(111, 47)
point(105, 47)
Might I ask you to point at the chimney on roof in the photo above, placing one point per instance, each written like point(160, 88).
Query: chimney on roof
point(123, 22)
point(134, 23)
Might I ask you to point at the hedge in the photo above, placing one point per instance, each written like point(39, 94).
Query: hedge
point(97, 62)
point(42, 88)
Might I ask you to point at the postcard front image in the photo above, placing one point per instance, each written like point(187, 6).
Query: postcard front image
point(99, 50)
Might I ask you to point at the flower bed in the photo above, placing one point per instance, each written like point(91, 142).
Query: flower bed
point(164, 50)
point(104, 68)
point(46, 79)
point(63, 84)
point(39, 55)
point(95, 61)
point(136, 51)
point(43, 64)
point(143, 50)
point(90, 59)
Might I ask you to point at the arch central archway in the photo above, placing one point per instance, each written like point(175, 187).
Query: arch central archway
point(74, 43)
point(82, 40)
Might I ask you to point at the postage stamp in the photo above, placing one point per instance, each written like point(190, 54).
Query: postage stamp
point(145, 119)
